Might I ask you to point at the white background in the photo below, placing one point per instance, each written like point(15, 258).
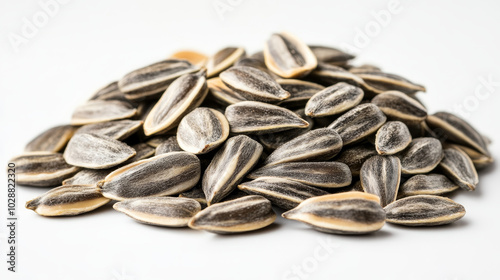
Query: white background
point(448, 46)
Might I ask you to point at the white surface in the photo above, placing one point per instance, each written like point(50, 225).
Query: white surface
point(445, 45)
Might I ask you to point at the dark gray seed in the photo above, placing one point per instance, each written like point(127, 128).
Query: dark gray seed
point(255, 63)
point(331, 55)
point(400, 106)
point(222, 94)
point(480, 160)
point(421, 156)
point(160, 211)
point(300, 92)
point(168, 145)
point(379, 82)
point(392, 137)
point(42, 169)
point(327, 74)
point(432, 184)
point(118, 130)
point(381, 175)
point(239, 215)
point(229, 166)
point(358, 123)
point(364, 68)
point(96, 152)
point(88, 177)
point(318, 174)
point(96, 111)
point(67, 201)
point(162, 175)
point(52, 140)
point(424, 210)
point(334, 100)
point(252, 117)
point(152, 80)
point(286, 194)
point(342, 213)
point(458, 166)
point(223, 59)
point(109, 92)
point(316, 145)
point(355, 156)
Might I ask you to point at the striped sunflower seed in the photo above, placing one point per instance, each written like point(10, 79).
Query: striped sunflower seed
point(160, 211)
point(184, 94)
point(67, 201)
point(192, 57)
point(52, 140)
point(334, 100)
point(252, 117)
point(288, 57)
point(424, 210)
point(457, 130)
point(364, 68)
point(331, 55)
point(400, 106)
point(327, 74)
point(316, 145)
point(421, 156)
point(431, 184)
point(223, 59)
point(168, 145)
point(300, 92)
point(152, 80)
point(118, 130)
point(88, 177)
point(318, 174)
point(457, 165)
point(379, 82)
point(342, 213)
point(161, 175)
point(42, 169)
point(222, 94)
point(109, 92)
point(255, 63)
point(355, 156)
point(381, 175)
point(229, 166)
point(480, 160)
point(253, 84)
point(96, 111)
point(96, 152)
point(286, 194)
point(239, 215)
point(392, 137)
point(358, 123)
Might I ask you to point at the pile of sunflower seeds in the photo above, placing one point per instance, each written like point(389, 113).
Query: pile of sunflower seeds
point(215, 142)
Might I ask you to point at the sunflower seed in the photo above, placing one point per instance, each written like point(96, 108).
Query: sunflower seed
point(457, 130)
point(51, 140)
point(288, 57)
point(364, 68)
point(229, 166)
point(255, 63)
point(381, 175)
point(331, 55)
point(160, 211)
point(243, 214)
point(184, 94)
point(222, 94)
point(358, 123)
point(109, 92)
point(152, 80)
point(300, 92)
point(318, 174)
point(424, 210)
point(197, 194)
point(342, 213)
point(253, 84)
point(254, 117)
point(192, 57)
point(202, 130)
point(432, 184)
point(459, 168)
point(333, 100)
point(286, 194)
point(96, 111)
point(379, 82)
point(88, 177)
point(392, 137)
point(480, 160)
point(316, 145)
point(327, 74)
point(223, 59)
point(42, 169)
point(158, 140)
point(168, 145)
point(421, 156)
point(355, 156)
point(165, 174)
point(118, 130)
point(399, 106)
point(67, 201)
